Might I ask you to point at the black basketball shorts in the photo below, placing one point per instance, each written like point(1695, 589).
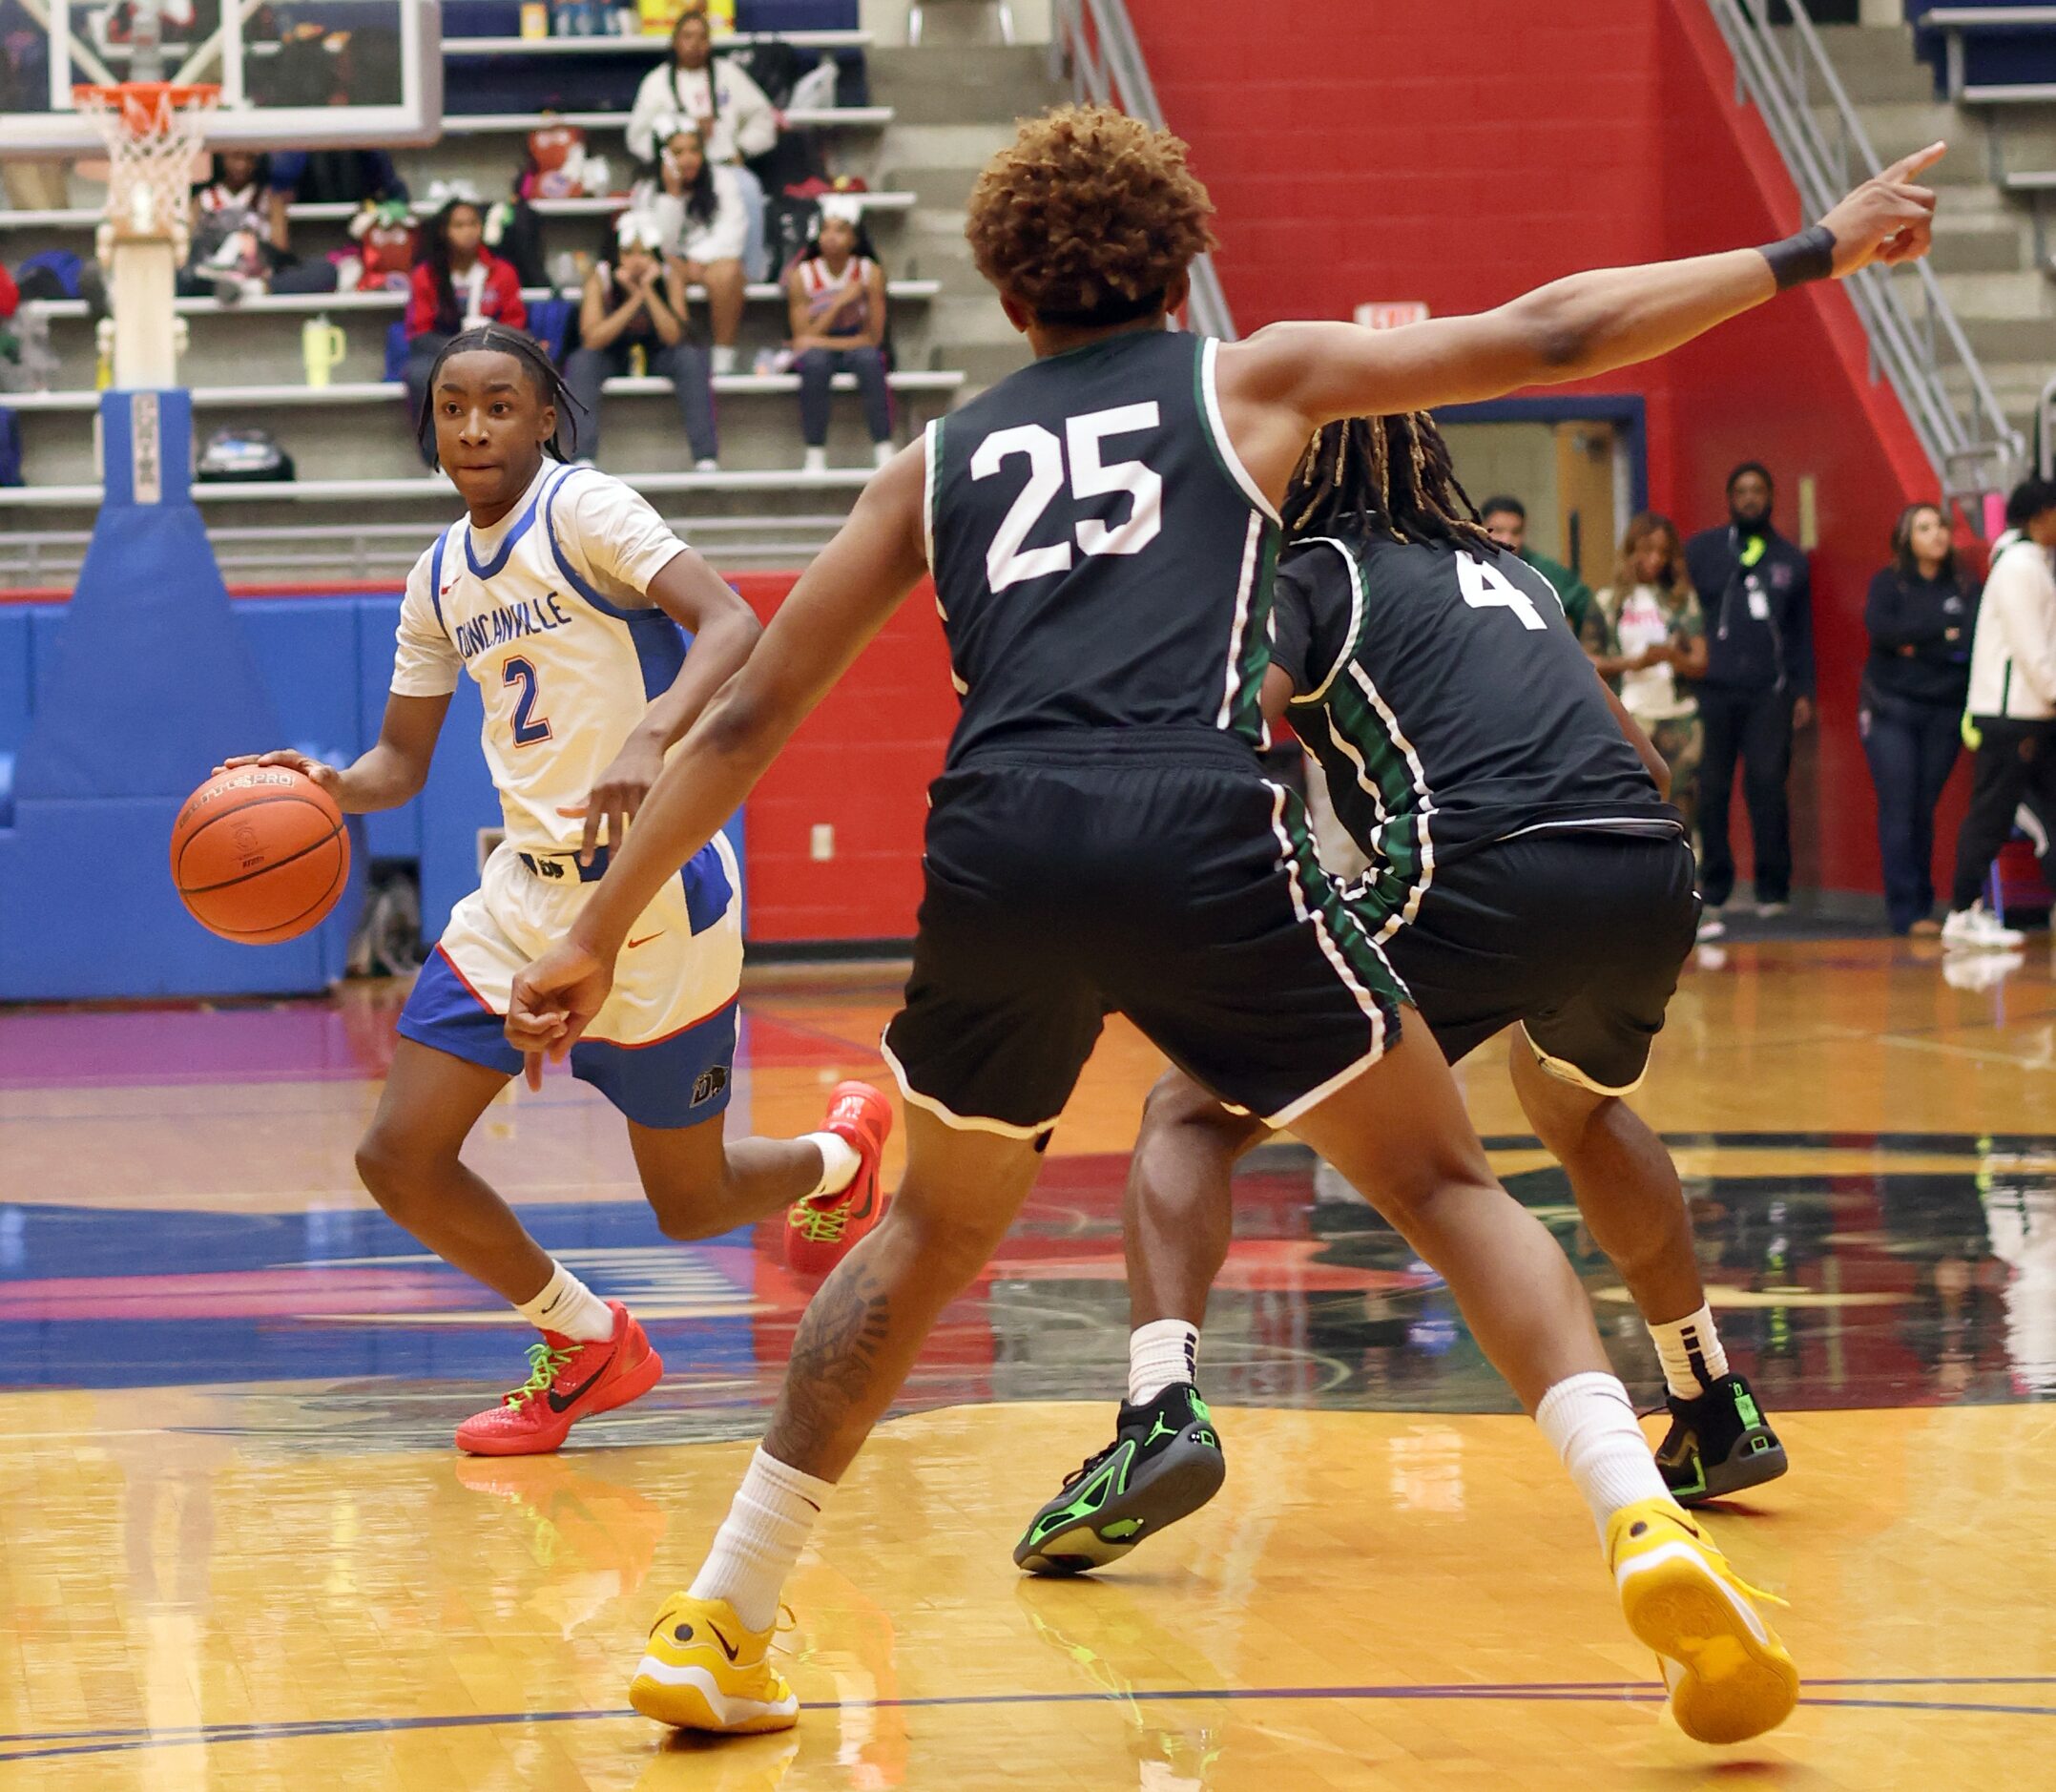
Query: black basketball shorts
point(1153, 873)
point(1577, 937)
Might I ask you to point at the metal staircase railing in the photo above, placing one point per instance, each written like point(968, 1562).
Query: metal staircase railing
point(1927, 359)
point(1093, 45)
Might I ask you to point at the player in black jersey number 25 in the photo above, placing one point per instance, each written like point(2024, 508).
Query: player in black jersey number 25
point(1102, 527)
point(1526, 872)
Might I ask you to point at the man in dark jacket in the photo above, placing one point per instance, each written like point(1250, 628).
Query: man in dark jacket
point(1758, 687)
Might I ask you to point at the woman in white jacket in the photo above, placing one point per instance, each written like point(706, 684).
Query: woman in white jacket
point(735, 120)
point(2011, 719)
point(698, 208)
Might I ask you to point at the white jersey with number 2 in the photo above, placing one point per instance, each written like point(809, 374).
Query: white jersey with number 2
point(546, 610)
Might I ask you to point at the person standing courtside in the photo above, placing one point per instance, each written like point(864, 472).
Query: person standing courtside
point(1757, 689)
point(2011, 719)
point(1506, 521)
point(1102, 527)
point(1920, 614)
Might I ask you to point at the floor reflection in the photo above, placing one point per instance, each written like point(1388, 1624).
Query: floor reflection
point(1928, 1276)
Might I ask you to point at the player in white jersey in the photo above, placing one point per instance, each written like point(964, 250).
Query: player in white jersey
point(563, 593)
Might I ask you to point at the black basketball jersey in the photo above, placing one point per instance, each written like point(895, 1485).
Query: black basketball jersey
point(1101, 557)
point(1450, 705)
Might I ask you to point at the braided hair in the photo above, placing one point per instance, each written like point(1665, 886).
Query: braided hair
point(542, 372)
point(1387, 475)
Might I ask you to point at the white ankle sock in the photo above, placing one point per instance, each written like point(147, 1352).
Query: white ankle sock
point(1690, 1352)
point(567, 1307)
point(1163, 1352)
point(839, 1162)
point(1590, 1422)
point(760, 1539)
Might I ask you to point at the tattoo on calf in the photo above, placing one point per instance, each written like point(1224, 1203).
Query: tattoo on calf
point(834, 1365)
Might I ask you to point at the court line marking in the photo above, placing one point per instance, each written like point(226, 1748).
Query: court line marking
point(1558, 1692)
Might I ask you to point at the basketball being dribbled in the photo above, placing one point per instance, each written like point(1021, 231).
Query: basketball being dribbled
point(260, 854)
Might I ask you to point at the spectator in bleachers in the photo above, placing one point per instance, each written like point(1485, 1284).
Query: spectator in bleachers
point(836, 298)
point(240, 236)
point(736, 121)
point(348, 177)
point(637, 301)
point(1506, 521)
point(1647, 635)
point(457, 282)
point(1757, 594)
point(697, 206)
point(1921, 614)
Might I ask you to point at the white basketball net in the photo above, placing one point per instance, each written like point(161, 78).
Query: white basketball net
point(152, 139)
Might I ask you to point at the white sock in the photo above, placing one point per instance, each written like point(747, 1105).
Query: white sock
point(1163, 1352)
point(839, 1162)
point(725, 358)
point(760, 1539)
point(817, 461)
point(1588, 1421)
point(1690, 1352)
point(567, 1307)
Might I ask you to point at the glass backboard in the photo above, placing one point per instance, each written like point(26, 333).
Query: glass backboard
point(297, 74)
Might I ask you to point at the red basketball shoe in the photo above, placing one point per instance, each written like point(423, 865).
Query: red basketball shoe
point(569, 1381)
point(820, 1231)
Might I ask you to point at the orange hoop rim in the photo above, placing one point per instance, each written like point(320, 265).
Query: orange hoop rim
point(144, 105)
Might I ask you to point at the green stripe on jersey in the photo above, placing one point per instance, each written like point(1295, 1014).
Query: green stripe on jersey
point(1325, 897)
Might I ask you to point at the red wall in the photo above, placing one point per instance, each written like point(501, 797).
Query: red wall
point(1462, 151)
point(861, 763)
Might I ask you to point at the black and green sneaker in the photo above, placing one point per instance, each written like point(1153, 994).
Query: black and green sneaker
point(1165, 1462)
point(1718, 1444)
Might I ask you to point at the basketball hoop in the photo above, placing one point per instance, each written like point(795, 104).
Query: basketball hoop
point(154, 130)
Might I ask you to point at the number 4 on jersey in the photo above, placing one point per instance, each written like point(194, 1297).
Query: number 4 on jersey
point(1486, 588)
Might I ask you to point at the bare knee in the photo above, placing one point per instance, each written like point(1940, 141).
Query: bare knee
point(690, 1212)
point(1176, 1103)
point(396, 1174)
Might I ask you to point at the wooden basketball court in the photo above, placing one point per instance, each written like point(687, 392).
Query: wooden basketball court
point(241, 1551)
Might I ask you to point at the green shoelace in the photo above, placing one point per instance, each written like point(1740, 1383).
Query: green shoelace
point(819, 1225)
point(545, 1363)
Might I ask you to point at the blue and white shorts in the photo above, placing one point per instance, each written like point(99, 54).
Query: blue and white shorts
point(663, 1049)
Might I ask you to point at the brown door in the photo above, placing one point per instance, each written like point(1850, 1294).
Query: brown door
point(1587, 526)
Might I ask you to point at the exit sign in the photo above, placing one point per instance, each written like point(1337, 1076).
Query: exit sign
point(1392, 313)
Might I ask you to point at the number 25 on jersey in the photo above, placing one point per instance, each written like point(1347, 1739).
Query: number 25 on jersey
point(1006, 562)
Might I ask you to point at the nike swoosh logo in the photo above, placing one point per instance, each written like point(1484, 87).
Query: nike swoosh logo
point(646, 939)
point(563, 1402)
point(727, 1648)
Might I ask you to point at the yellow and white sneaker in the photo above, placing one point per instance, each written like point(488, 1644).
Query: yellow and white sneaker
point(705, 1669)
point(1729, 1676)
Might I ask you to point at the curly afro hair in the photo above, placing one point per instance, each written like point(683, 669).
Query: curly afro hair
point(1088, 215)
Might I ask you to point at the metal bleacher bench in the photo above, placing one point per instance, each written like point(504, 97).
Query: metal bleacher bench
point(385, 299)
point(1956, 23)
point(434, 485)
point(87, 217)
point(376, 392)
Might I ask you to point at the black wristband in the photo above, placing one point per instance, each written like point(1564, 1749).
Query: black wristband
point(1797, 260)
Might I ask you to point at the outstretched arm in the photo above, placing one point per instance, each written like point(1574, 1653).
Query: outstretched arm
point(391, 773)
point(1305, 375)
point(724, 630)
point(838, 604)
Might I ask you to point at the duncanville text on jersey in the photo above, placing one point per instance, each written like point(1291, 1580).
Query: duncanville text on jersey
point(532, 615)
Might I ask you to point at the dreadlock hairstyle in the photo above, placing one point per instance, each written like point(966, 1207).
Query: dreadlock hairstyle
point(1383, 475)
point(542, 372)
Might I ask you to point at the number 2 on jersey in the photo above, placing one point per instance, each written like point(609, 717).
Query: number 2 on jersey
point(1486, 588)
point(1005, 562)
point(529, 726)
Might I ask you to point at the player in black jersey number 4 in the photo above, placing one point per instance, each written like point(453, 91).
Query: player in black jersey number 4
point(1102, 527)
point(1526, 872)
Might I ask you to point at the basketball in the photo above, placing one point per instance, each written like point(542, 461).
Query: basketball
point(260, 854)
